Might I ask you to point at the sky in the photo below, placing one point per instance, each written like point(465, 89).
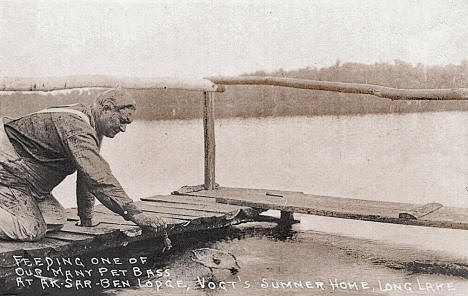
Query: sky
point(203, 38)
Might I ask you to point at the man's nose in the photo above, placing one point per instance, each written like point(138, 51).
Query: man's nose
point(123, 127)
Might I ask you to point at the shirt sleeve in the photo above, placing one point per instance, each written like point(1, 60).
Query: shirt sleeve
point(94, 173)
point(84, 198)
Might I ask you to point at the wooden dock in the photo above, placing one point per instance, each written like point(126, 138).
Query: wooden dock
point(189, 211)
point(194, 209)
point(183, 214)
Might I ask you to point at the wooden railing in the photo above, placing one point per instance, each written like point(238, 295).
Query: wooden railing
point(211, 85)
point(353, 88)
point(104, 81)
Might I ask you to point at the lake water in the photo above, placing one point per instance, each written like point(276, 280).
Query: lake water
point(418, 158)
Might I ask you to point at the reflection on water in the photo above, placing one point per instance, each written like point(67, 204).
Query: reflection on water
point(419, 158)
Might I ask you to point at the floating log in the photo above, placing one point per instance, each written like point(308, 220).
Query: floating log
point(353, 88)
point(104, 81)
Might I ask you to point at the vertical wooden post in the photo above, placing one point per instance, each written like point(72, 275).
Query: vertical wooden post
point(286, 218)
point(208, 127)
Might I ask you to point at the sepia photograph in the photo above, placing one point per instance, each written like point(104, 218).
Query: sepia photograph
point(234, 147)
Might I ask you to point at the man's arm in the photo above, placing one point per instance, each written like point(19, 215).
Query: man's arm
point(95, 173)
point(85, 201)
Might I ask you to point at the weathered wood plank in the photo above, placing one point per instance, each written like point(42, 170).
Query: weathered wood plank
point(377, 211)
point(201, 208)
point(154, 208)
point(99, 230)
point(260, 199)
point(71, 237)
point(183, 199)
point(107, 216)
point(207, 207)
point(235, 191)
point(271, 192)
point(353, 88)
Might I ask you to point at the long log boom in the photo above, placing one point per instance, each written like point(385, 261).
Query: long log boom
point(354, 88)
point(104, 81)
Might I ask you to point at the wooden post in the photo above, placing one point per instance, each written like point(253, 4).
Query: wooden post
point(286, 218)
point(208, 127)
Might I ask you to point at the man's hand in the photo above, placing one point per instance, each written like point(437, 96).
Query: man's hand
point(87, 222)
point(155, 224)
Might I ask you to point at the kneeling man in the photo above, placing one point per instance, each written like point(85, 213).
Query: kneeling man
point(39, 150)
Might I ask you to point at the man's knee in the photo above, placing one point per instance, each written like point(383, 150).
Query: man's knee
point(17, 228)
point(32, 234)
point(20, 217)
point(30, 229)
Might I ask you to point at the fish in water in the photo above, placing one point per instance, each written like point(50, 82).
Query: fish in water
point(212, 258)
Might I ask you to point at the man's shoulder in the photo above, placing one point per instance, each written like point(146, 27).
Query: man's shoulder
point(72, 120)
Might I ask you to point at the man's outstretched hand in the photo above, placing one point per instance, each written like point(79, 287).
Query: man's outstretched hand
point(154, 223)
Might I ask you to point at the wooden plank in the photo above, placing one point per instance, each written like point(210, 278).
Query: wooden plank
point(354, 88)
point(207, 207)
point(236, 191)
point(271, 192)
point(104, 81)
point(71, 237)
point(298, 200)
point(99, 230)
point(154, 208)
point(377, 211)
point(106, 216)
point(164, 205)
point(209, 138)
point(176, 219)
point(182, 199)
point(421, 211)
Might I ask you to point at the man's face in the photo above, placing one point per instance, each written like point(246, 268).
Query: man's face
point(112, 121)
